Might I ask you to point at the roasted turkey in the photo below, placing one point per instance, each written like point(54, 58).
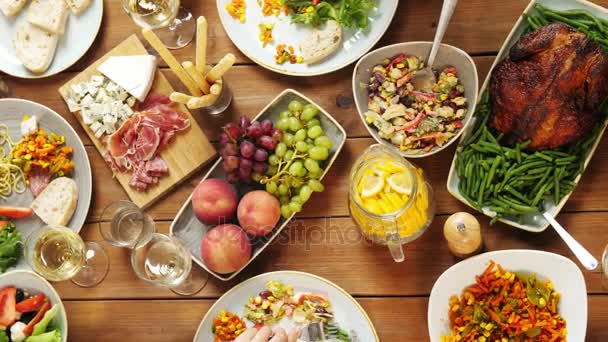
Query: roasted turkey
point(550, 88)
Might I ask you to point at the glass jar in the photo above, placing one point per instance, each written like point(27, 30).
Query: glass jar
point(396, 206)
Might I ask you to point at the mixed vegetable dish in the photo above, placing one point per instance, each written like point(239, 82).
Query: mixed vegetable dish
point(27, 317)
point(506, 306)
point(276, 302)
point(409, 118)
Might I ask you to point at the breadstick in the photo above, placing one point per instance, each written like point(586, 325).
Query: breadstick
point(196, 76)
point(201, 44)
point(180, 97)
point(203, 101)
point(166, 55)
point(216, 88)
point(220, 69)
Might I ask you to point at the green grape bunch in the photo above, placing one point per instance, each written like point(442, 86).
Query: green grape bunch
point(294, 167)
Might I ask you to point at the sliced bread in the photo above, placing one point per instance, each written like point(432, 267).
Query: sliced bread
point(57, 202)
point(35, 47)
point(49, 15)
point(321, 43)
point(11, 7)
point(78, 6)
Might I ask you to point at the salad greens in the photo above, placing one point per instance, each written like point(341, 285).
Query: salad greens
point(3, 336)
point(348, 13)
point(51, 336)
point(10, 246)
point(42, 326)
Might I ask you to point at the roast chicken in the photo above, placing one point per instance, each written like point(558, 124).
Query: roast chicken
point(550, 88)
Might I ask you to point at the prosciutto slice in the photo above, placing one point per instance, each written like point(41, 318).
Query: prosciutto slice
point(135, 145)
point(38, 179)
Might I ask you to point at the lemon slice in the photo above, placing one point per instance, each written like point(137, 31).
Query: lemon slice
point(389, 167)
point(371, 185)
point(401, 182)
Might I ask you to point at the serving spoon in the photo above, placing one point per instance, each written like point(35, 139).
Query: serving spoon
point(425, 79)
point(584, 257)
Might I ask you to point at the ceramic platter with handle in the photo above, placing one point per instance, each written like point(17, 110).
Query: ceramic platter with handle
point(80, 33)
point(12, 111)
point(355, 42)
point(348, 314)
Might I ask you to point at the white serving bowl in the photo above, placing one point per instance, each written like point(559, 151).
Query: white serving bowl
point(35, 284)
point(447, 56)
point(566, 277)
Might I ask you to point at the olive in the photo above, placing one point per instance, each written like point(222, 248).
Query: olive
point(19, 295)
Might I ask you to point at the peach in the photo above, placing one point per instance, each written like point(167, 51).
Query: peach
point(258, 212)
point(214, 201)
point(226, 248)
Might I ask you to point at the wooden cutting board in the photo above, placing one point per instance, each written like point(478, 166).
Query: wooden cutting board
point(188, 151)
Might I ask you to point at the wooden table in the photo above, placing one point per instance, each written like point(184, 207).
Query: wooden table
point(124, 308)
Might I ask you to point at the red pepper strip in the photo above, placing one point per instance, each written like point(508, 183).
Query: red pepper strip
point(397, 59)
point(423, 95)
point(403, 80)
point(458, 124)
point(315, 2)
point(414, 123)
point(3, 224)
point(31, 304)
point(450, 70)
point(27, 331)
point(258, 326)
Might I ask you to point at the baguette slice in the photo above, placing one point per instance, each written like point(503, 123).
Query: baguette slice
point(11, 7)
point(34, 47)
point(321, 43)
point(49, 15)
point(57, 202)
point(78, 6)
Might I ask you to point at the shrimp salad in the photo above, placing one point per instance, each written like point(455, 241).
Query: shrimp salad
point(412, 119)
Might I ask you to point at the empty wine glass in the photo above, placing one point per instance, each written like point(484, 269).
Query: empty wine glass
point(58, 253)
point(165, 261)
point(173, 24)
point(124, 224)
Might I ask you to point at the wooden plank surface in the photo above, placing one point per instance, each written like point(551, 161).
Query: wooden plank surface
point(396, 319)
point(323, 239)
point(181, 165)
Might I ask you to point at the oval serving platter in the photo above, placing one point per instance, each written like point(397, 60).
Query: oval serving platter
point(190, 230)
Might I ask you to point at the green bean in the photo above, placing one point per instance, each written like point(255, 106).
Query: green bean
point(540, 194)
point(519, 207)
point(539, 170)
point(543, 156)
point(497, 160)
point(516, 193)
point(529, 165)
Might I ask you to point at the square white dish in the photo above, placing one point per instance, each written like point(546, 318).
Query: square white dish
point(532, 222)
point(188, 228)
point(566, 277)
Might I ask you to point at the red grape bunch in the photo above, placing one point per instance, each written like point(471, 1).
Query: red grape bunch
point(245, 149)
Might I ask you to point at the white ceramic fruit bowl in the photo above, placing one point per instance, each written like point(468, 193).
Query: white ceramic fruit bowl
point(566, 277)
point(35, 284)
point(447, 56)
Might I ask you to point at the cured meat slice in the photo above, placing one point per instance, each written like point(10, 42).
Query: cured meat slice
point(120, 141)
point(153, 100)
point(146, 144)
point(38, 179)
point(156, 167)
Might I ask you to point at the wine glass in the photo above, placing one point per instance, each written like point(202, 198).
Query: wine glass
point(173, 24)
point(58, 253)
point(124, 224)
point(165, 261)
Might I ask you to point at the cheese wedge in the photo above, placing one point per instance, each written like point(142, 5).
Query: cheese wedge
point(34, 47)
point(133, 73)
point(49, 15)
point(78, 6)
point(321, 43)
point(57, 202)
point(11, 7)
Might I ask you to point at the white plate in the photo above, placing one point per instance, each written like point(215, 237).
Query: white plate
point(35, 284)
point(12, 111)
point(79, 35)
point(566, 277)
point(347, 312)
point(355, 42)
point(532, 222)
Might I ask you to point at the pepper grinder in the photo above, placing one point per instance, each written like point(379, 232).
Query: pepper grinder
point(463, 234)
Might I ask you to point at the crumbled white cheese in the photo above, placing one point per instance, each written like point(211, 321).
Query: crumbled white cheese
point(103, 104)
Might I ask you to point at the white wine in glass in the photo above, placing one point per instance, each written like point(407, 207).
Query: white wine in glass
point(164, 260)
point(58, 253)
point(173, 24)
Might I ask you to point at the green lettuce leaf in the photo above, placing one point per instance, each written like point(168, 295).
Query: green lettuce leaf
point(41, 326)
point(10, 247)
point(51, 336)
